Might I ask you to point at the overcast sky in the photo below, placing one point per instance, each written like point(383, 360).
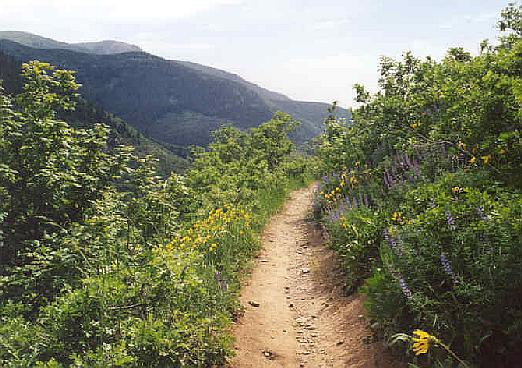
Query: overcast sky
point(307, 49)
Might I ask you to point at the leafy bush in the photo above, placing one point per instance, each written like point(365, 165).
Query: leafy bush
point(422, 198)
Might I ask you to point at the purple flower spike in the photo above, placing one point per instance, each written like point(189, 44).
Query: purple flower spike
point(366, 202)
point(407, 159)
point(450, 220)
point(354, 202)
point(446, 265)
point(404, 287)
point(480, 213)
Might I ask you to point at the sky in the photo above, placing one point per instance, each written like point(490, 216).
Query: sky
point(309, 50)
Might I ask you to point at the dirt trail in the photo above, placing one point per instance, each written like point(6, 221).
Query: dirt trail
point(296, 314)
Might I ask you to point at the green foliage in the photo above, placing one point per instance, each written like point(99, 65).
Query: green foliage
point(422, 198)
point(105, 264)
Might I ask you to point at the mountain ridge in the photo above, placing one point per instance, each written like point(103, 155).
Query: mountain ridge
point(104, 47)
point(174, 102)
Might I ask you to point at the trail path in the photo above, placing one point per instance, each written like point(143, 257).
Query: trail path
point(296, 313)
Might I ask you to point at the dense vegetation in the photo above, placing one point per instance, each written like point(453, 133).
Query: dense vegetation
point(105, 264)
point(170, 101)
point(422, 199)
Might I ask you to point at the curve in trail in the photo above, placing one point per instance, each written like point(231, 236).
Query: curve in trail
point(296, 312)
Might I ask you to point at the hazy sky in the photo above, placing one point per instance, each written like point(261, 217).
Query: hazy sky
point(309, 50)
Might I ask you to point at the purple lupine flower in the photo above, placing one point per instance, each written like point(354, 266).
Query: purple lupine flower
point(388, 179)
point(416, 167)
point(404, 287)
point(386, 235)
point(392, 242)
point(361, 199)
point(480, 213)
point(450, 220)
point(222, 283)
point(347, 202)
point(446, 265)
point(366, 202)
point(325, 179)
point(354, 202)
point(407, 159)
point(385, 179)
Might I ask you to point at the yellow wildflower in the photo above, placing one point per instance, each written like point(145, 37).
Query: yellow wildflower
point(486, 159)
point(461, 145)
point(472, 160)
point(457, 190)
point(414, 125)
point(422, 341)
point(396, 216)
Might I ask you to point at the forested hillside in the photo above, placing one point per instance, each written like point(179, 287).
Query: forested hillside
point(422, 199)
point(105, 264)
point(85, 114)
point(173, 102)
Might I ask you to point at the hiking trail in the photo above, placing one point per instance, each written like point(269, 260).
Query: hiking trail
point(296, 311)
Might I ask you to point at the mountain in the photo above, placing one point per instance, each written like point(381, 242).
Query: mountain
point(174, 102)
point(86, 115)
point(102, 47)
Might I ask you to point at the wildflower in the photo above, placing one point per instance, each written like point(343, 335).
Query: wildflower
point(457, 190)
point(446, 265)
point(394, 244)
point(450, 220)
point(480, 213)
point(404, 287)
point(414, 125)
point(396, 216)
point(472, 160)
point(422, 341)
point(386, 180)
point(485, 159)
point(461, 145)
point(366, 202)
point(407, 160)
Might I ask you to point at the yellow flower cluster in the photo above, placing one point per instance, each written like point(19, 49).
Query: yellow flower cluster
point(397, 217)
point(422, 341)
point(457, 190)
point(205, 233)
point(335, 194)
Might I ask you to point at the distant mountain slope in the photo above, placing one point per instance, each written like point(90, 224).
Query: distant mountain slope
point(86, 115)
point(174, 102)
point(105, 47)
